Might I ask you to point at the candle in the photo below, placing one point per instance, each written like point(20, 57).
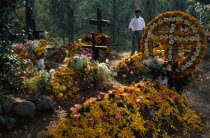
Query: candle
point(115, 87)
point(102, 95)
point(164, 85)
point(73, 110)
point(91, 101)
point(110, 91)
point(123, 96)
point(138, 101)
point(162, 95)
point(77, 106)
point(104, 116)
point(159, 103)
point(114, 91)
point(149, 97)
point(91, 122)
point(142, 88)
point(60, 68)
point(141, 83)
point(148, 124)
point(132, 91)
point(84, 99)
point(118, 118)
point(76, 117)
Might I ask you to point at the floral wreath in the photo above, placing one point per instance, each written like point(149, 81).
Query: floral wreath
point(181, 29)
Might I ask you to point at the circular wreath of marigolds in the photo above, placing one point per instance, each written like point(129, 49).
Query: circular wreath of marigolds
point(181, 29)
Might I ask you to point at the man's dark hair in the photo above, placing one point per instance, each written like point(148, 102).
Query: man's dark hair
point(137, 11)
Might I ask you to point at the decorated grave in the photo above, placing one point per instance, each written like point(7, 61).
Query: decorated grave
point(173, 45)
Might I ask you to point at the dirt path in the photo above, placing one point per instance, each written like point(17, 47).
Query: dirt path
point(198, 98)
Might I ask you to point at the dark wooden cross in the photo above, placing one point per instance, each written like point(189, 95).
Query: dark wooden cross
point(99, 21)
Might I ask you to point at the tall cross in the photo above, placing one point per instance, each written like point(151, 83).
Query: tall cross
point(99, 21)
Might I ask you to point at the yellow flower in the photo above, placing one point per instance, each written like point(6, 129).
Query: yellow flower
point(60, 95)
point(103, 78)
point(39, 53)
point(124, 76)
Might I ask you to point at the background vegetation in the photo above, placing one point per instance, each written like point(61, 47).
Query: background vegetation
point(67, 20)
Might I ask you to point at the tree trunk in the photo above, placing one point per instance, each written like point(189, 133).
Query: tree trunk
point(30, 21)
point(70, 13)
point(114, 17)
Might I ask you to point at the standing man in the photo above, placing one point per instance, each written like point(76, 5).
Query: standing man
point(136, 27)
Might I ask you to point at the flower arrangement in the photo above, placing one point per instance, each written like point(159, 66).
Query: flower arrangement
point(138, 66)
point(81, 74)
point(38, 83)
point(103, 72)
point(40, 50)
point(183, 31)
point(101, 39)
point(135, 111)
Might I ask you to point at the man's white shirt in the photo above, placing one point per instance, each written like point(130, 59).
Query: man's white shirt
point(137, 24)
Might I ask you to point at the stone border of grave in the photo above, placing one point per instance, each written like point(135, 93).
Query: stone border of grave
point(16, 111)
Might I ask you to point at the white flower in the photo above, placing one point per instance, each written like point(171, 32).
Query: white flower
point(177, 18)
point(152, 35)
point(141, 97)
point(173, 25)
point(52, 71)
point(151, 27)
point(154, 24)
point(131, 72)
point(193, 58)
point(146, 44)
point(186, 38)
point(181, 19)
point(160, 21)
point(195, 30)
point(174, 19)
point(160, 61)
point(176, 38)
point(171, 42)
point(171, 37)
point(196, 53)
point(181, 38)
point(197, 37)
point(183, 67)
point(187, 64)
point(170, 47)
point(198, 48)
point(107, 60)
point(166, 36)
point(199, 44)
point(149, 31)
point(186, 21)
point(161, 37)
point(146, 52)
point(169, 56)
point(170, 51)
point(165, 19)
point(192, 38)
point(171, 30)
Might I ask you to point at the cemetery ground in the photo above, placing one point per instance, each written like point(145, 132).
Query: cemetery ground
point(198, 99)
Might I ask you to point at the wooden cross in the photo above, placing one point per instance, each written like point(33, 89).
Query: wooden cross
point(99, 21)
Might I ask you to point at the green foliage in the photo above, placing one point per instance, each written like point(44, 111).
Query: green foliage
point(9, 32)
